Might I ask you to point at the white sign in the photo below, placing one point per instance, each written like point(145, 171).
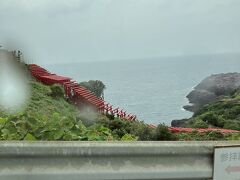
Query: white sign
point(227, 163)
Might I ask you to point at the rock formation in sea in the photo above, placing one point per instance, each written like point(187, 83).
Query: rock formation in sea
point(211, 89)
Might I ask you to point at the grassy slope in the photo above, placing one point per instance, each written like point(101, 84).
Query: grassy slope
point(43, 103)
point(48, 117)
point(224, 113)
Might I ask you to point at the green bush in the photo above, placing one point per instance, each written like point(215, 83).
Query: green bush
point(206, 136)
point(215, 135)
point(57, 91)
point(233, 112)
point(199, 123)
point(97, 133)
point(110, 116)
point(209, 117)
point(38, 127)
point(122, 127)
point(233, 137)
point(162, 133)
point(220, 121)
point(191, 136)
point(128, 137)
point(117, 126)
point(213, 119)
point(143, 132)
point(232, 125)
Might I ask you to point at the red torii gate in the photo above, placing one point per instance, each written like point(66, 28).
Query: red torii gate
point(77, 94)
point(83, 97)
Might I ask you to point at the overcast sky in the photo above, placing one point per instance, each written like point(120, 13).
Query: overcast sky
point(91, 30)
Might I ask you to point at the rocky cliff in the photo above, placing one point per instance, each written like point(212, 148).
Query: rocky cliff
point(212, 88)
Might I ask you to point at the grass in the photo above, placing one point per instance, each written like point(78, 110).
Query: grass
point(48, 116)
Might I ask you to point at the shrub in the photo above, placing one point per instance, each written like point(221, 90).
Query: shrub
point(121, 127)
point(220, 121)
point(209, 117)
point(233, 137)
point(162, 133)
point(97, 133)
point(110, 116)
point(232, 125)
point(213, 119)
point(117, 126)
point(215, 135)
point(128, 137)
point(199, 123)
point(57, 91)
point(143, 132)
point(233, 112)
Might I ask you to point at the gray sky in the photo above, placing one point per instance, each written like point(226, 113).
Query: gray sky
point(82, 30)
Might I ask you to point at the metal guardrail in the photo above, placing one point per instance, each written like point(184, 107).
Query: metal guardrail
point(107, 160)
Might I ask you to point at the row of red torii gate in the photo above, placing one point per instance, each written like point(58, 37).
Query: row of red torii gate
point(79, 95)
point(83, 99)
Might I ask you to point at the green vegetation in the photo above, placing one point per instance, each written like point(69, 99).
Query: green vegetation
point(196, 136)
point(199, 123)
point(57, 91)
point(162, 133)
point(48, 116)
point(224, 113)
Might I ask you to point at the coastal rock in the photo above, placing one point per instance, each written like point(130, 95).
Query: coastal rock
point(211, 89)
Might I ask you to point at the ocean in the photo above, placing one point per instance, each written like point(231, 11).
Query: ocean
point(154, 89)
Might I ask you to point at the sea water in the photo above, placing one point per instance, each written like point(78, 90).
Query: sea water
point(154, 89)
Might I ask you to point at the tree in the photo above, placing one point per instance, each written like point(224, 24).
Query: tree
point(95, 86)
point(57, 90)
point(213, 119)
point(162, 133)
point(199, 123)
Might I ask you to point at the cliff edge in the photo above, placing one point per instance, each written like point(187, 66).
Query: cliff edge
point(211, 89)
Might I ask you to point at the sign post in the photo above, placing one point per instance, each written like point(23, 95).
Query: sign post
point(226, 163)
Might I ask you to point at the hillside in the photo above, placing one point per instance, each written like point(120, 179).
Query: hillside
point(215, 102)
point(212, 88)
point(52, 113)
point(224, 113)
point(49, 116)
